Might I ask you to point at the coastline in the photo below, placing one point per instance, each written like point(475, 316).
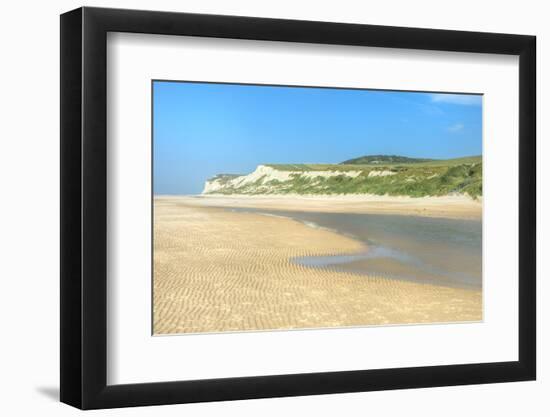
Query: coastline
point(452, 206)
point(217, 270)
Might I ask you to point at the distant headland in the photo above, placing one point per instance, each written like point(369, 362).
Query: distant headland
point(370, 174)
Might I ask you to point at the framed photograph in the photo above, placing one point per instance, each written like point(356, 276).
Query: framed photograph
point(257, 208)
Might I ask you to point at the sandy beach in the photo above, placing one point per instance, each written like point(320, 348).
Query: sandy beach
point(217, 270)
point(459, 206)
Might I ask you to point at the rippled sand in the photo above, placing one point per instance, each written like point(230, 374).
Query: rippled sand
point(217, 270)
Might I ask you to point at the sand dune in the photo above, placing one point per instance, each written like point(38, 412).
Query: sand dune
point(217, 270)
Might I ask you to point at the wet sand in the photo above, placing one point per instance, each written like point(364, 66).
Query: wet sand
point(216, 270)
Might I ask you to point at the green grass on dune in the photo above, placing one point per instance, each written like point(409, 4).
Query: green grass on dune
point(316, 167)
point(358, 166)
point(414, 179)
point(224, 178)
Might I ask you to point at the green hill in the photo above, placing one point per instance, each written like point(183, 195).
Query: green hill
point(383, 159)
point(376, 174)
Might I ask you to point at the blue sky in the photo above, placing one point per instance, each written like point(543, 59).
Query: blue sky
point(201, 129)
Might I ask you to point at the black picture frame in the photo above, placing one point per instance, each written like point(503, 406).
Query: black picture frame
point(84, 207)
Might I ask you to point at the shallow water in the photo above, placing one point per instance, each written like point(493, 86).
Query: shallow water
point(422, 249)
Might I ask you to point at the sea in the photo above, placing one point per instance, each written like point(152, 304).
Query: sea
point(437, 251)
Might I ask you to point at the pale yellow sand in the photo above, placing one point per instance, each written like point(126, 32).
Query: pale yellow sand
point(458, 206)
point(216, 270)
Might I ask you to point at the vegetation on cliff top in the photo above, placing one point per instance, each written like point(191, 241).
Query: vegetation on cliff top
point(383, 175)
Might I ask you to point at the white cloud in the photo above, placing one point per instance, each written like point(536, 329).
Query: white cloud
point(457, 127)
point(461, 99)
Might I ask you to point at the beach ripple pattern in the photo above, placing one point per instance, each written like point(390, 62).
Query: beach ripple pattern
point(215, 270)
